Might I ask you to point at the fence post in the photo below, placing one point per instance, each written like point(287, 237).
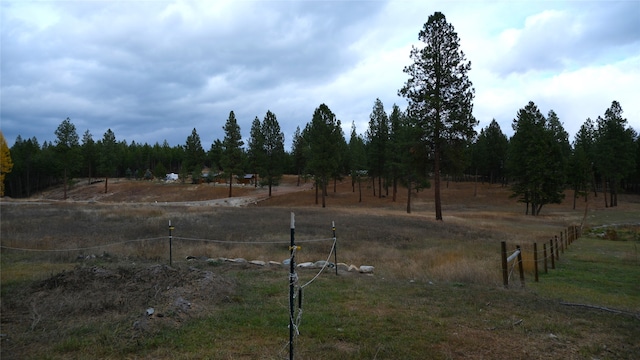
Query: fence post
point(170, 243)
point(505, 271)
point(335, 246)
point(292, 280)
point(561, 243)
point(535, 260)
point(520, 266)
point(544, 253)
point(556, 244)
point(553, 262)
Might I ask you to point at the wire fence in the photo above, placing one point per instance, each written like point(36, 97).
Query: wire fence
point(537, 258)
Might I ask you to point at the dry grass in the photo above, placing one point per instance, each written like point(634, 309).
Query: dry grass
point(422, 267)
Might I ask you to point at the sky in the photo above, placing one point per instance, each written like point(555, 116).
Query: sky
point(154, 70)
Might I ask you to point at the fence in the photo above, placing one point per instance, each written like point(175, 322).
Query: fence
point(550, 255)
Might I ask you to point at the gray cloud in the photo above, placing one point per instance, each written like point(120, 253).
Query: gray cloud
point(584, 33)
point(154, 70)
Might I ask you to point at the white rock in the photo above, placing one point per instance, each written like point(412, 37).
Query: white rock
point(306, 265)
point(274, 263)
point(366, 269)
point(258, 262)
point(150, 311)
point(353, 267)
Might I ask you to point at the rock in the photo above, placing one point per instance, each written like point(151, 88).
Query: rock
point(306, 265)
point(258, 262)
point(320, 264)
point(286, 261)
point(150, 311)
point(353, 267)
point(366, 269)
point(274, 263)
point(238, 260)
point(343, 266)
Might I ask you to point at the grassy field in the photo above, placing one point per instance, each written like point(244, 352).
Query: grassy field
point(98, 263)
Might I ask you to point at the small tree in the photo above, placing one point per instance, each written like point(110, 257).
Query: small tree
point(6, 165)
point(108, 157)
point(232, 153)
point(67, 146)
point(272, 149)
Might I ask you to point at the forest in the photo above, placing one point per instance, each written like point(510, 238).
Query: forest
point(435, 137)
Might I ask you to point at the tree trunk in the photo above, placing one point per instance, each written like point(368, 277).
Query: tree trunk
point(380, 187)
point(317, 188)
point(395, 188)
point(604, 191)
point(436, 182)
point(65, 183)
point(230, 184)
point(269, 188)
point(409, 197)
point(106, 181)
point(373, 181)
point(324, 192)
point(475, 183)
point(360, 189)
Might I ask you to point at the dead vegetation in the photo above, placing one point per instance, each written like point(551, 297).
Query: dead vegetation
point(103, 259)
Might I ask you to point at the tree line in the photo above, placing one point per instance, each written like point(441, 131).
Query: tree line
point(413, 148)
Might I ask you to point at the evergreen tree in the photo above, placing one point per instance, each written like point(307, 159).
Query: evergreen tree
point(194, 155)
point(232, 150)
point(108, 157)
point(439, 93)
point(378, 142)
point(357, 160)
point(324, 133)
point(299, 152)
point(490, 152)
point(535, 160)
point(89, 154)
point(615, 150)
point(581, 161)
point(67, 147)
point(255, 152)
point(272, 150)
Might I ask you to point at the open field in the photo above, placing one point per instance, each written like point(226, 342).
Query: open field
point(99, 261)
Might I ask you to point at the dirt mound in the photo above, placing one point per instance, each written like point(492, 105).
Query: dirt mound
point(143, 296)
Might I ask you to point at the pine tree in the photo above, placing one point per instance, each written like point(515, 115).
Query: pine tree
point(255, 152)
point(232, 149)
point(67, 146)
point(378, 142)
point(357, 160)
point(615, 150)
point(194, 154)
point(535, 160)
point(324, 133)
point(273, 150)
point(439, 93)
point(108, 157)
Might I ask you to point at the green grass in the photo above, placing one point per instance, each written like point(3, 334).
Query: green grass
point(596, 272)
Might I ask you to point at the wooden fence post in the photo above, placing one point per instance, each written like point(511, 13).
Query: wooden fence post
point(535, 260)
point(556, 245)
point(553, 262)
point(505, 271)
point(544, 253)
point(561, 243)
point(520, 266)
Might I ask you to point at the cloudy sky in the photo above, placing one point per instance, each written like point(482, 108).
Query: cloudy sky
point(154, 70)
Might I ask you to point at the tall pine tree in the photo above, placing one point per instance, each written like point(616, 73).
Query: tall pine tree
point(439, 92)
